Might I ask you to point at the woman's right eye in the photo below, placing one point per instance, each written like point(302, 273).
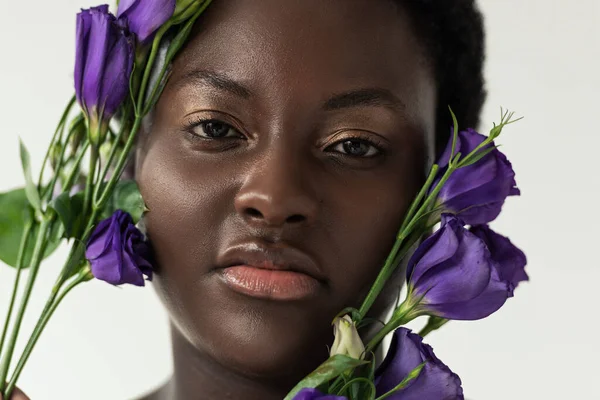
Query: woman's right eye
point(213, 129)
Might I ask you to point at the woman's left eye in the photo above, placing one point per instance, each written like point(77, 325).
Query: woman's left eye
point(214, 129)
point(356, 148)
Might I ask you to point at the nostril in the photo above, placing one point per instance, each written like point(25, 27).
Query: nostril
point(296, 218)
point(253, 212)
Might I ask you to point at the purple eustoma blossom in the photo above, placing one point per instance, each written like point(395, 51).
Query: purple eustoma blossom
point(407, 352)
point(314, 394)
point(118, 252)
point(103, 64)
point(455, 275)
point(476, 192)
point(145, 17)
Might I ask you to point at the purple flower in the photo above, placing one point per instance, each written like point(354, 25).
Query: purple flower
point(314, 394)
point(118, 252)
point(145, 17)
point(455, 275)
point(103, 63)
point(478, 191)
point(407, 352)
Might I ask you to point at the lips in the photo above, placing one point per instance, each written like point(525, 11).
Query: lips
point(275, 272)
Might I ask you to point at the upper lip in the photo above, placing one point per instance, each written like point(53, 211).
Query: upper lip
point(274, 257)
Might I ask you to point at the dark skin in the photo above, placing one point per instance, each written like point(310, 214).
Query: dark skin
point(321, 123)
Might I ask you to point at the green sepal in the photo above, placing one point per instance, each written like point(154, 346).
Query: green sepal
point(15, 211)
point(330, 369)
point(30, 188)
point(127, 197)
point(414, 374)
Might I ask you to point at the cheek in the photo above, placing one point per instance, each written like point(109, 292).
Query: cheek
point(185, 213)
point(370, 223)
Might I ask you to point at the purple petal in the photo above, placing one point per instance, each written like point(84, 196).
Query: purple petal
point(460, 278)
point(314, 394)
point(488, 302)
point(434, 250)
point(145, 17)
point(509, 260)
point(407, 351)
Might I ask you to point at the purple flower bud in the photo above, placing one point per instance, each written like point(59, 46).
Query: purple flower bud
point(103, 63)
point(145, 17)
point(407, 352)
point(478, 191)
point(314, 394)
point(454, 275)
point(118, 252)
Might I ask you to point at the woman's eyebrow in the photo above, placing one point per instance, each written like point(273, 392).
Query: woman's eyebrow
point(214, 80)
point(377, 97)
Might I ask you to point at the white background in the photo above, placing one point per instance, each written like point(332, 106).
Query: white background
point(543, 62)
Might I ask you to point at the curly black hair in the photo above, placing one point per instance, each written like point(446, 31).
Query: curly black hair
point(454, 37)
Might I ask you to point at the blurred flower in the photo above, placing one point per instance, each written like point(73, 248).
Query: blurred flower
point(145, 17)
point(407, 352)
point(453, 275)
point(347, 341)
point(118, 252)
point(103, 65)
point(478, 191)
point(314, 394)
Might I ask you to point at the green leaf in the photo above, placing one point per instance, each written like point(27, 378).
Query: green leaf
point(30, 188)
point(327, 371)
point(14, 209)
point(70, 211)
point(126, 197)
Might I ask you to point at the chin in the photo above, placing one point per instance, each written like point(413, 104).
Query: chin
point(251, 337)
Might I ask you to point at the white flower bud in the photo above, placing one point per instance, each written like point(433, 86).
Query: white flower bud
point(347, 341)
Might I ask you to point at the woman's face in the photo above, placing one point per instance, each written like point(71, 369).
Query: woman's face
point(288, 143)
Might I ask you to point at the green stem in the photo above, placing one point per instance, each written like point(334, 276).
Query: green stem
point(89, 186)
point(58, 131)
point(112, 154)
point(401, 316)
point(120, 165)
point(413, 207)
point(149, 67)
point(38, 252)
point(19, 267)
point(50, 190)
point(76, 168)
point(398, 252)
point(38, 331)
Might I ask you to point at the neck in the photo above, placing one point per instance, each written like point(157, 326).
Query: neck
point(199, 377)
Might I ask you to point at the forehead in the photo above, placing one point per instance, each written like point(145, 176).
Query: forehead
point(305, 50)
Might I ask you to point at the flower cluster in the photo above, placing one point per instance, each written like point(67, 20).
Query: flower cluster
point(463, 271)
point(117, 81)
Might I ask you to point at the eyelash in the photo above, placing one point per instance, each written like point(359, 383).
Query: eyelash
point(201, 122)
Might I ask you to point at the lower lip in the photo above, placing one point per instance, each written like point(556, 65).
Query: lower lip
point(270, 284)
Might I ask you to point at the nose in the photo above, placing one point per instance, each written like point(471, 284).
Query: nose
point(276, 193)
